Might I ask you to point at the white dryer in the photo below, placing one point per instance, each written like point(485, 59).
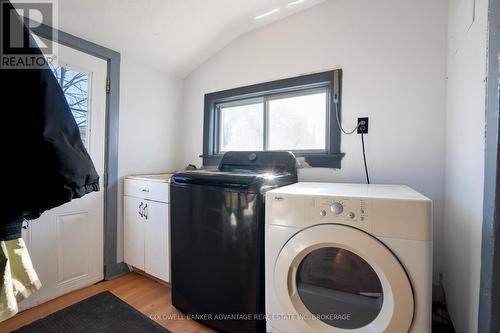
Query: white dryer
point(348, 258)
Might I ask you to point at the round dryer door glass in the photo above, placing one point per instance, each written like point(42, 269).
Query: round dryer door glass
point(339, 288)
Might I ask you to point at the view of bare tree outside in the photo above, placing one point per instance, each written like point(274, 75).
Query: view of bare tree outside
point(75, 86)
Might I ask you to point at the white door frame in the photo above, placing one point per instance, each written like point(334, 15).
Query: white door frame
point(112, 268)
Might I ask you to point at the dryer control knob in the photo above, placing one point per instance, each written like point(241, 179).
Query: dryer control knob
point(322, 212)
point(337, 208)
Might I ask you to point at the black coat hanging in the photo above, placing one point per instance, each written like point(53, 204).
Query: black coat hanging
point(44, 161)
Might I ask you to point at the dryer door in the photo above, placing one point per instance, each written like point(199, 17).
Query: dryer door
point(335, 278)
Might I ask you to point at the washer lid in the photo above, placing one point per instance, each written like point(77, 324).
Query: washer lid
point(245, 170)
point(335, 278)
point(216, 178)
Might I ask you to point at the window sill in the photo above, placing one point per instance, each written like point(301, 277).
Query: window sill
point(313, 160)
point(323, 160)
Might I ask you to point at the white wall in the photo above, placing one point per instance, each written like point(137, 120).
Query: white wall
point(393, 54)
point(464, 171)
point(150, 108)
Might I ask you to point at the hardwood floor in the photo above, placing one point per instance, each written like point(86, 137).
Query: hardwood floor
point(144, 294)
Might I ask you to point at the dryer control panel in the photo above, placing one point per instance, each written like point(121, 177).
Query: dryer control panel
point(344, 210)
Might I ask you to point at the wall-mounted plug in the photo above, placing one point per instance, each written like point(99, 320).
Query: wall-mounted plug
point(363, 125)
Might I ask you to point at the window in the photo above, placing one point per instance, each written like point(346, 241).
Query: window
point(75, 86)
point(292, 114)
point(294, 121)
point(241, 125)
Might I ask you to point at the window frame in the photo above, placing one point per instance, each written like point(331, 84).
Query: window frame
point(331, 80)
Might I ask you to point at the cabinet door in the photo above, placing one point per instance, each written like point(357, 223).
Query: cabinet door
point(157, 240)
point(133, 231)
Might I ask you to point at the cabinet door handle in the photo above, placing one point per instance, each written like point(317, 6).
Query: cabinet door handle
point(141, 209)
point(144, 190)
point(146, 211)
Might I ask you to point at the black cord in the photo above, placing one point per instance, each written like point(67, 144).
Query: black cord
point(364, 158)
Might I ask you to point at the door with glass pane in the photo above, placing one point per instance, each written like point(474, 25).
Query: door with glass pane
point(66, 243)
point(340, 278)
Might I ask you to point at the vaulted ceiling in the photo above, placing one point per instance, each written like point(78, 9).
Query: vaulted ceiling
point(175, 36)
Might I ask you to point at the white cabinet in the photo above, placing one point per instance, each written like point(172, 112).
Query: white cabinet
point(156, 248)
point(146, 224)
point(134, 231)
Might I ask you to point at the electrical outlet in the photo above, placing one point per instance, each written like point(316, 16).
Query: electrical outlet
point(363, 127)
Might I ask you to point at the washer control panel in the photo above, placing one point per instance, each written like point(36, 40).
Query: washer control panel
point(347, 210)
point(337, 208)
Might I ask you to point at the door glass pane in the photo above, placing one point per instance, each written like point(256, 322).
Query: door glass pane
point(76, 89)
point(339, 287)
point(298, 122)
point(241, 127)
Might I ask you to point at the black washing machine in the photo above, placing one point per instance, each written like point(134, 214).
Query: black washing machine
point(217, 238)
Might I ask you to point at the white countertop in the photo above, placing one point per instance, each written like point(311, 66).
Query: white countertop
point(159, 177)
